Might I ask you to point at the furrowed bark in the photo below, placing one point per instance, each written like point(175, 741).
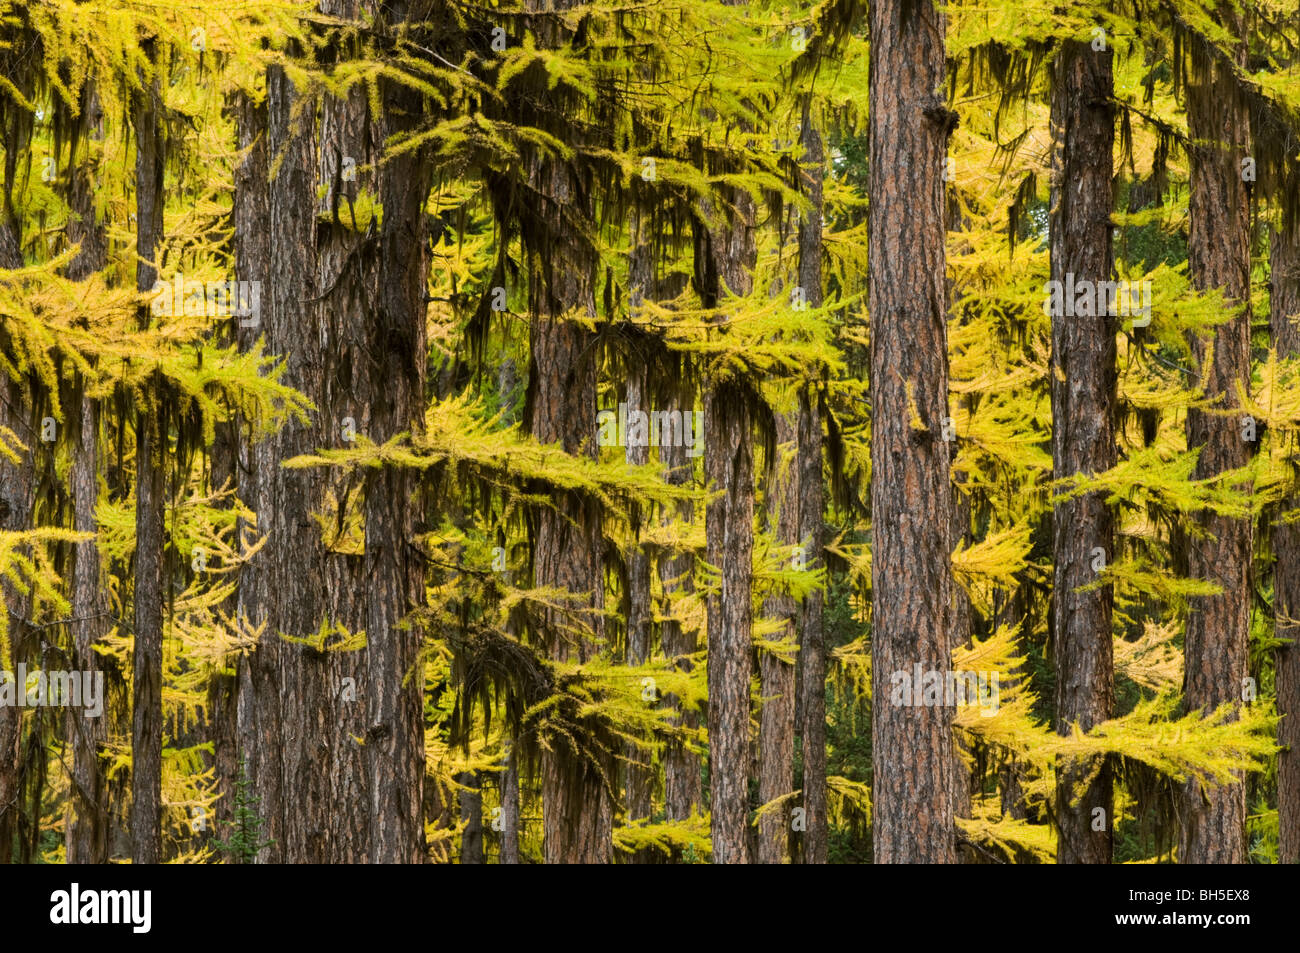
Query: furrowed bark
point(1083, 384)
point(86, 821)
point(910, 492)
point(1214, 819)
point(812, 644)
point(777, 674)
point(146, 724)
point(729, 533)
point(683, 791)
point(1284, 323)
point(640, 780)
point(393, 567)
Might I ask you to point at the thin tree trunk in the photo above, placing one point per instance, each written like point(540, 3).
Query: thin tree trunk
point(87, 820)
point(1214, 820)
point(812, 645)
point(146, 725)
point(639, 618)
point(683, 791)
point(471, 815)
point(510, 809)
point(1083, 440)
point(910, 492)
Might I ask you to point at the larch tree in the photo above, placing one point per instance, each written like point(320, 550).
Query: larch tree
point(1218, 626)
point(1083, 440)
point(911, 576)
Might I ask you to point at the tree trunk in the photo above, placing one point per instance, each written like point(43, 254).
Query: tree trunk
point(510, 809)
point(1083, 383)
point(308, 768)
point(87, 819)
point(683, 792)
point(393, 569)
point(777, 675)
point(910, 493)
point(812, 644)
point(729, 534)
point(640, 779)
point(471, 815)
point(1284, 321)
point(1214, 820)
point(146, 724)
point(577, 813)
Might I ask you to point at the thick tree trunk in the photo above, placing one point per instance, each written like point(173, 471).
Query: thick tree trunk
point(1284, 321)
point(729, 534)
point(910, 493)
point(577, 813)
point(1214, 820)
point(1083, 439)
point(146, 724)
point(308, 768)
point(812, 645)
point(393, 569)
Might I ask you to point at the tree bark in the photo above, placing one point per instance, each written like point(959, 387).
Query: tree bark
point(1083, 384)
point(729, 534)
point(1214, 820)
point(777, 675)
point(683, 791)
point(471, 815)
point(910, 493)
point(146, 725)
point(510, 809)
point(1284, 323)
point(87, 817)
point(812, 644)
point(640, 779)
point(393, 569)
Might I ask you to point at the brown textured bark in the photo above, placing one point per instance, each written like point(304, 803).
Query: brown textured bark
point(146, 724)
point(1083, 384)
point(510, 809)
point(309, 771)
point(729, 533)
point(15, 515)
point(1218, 626)
point(683, 791)
point(812, 644)
point(777, 674)
point(640, 778)
point(1284, 323)
point(393, 569)
point(577, 813)
point(471, 815)
point(86, 822)
point(910, 494)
